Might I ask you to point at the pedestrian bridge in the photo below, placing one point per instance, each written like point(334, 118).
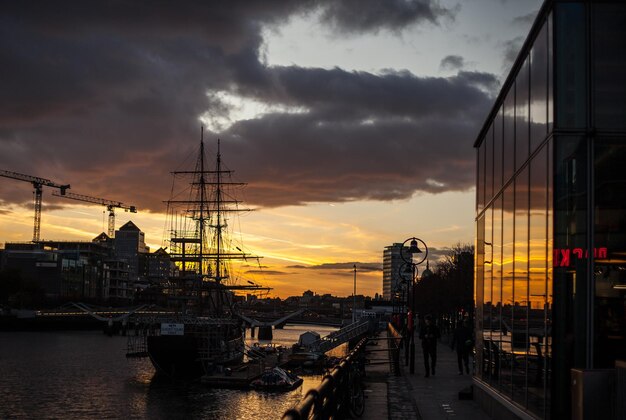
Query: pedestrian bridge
point(337, 338)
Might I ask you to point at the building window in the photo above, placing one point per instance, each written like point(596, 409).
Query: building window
point(609, 66)
point(539, 89)
point(508, 163)
point(609, 250)
point(522, 114)
point(571, 56)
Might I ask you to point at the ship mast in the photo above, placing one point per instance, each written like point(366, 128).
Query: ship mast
point(218, 226)
point(202, 201)
point(206, 248)
point(218, 205)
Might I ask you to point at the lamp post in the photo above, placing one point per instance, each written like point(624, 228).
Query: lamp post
point(354, 298)
point(413, 261)
point(405, 271)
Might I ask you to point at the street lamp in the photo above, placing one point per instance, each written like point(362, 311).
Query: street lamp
point(415, 258)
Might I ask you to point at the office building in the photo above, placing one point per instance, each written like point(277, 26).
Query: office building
point(130, 246)
point(550, 281)
point(392, 276)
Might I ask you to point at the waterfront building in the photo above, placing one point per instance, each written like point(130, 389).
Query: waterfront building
point(62, 270)
point(159, 267)
point(550, 277)
point(121, 289)
point(130, 246)
point(392, 263)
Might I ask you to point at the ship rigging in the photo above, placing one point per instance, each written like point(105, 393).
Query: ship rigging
point(204, 330)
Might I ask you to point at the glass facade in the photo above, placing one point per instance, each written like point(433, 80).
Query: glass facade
point(514, 309)
point(550, 269)
point(609, 230)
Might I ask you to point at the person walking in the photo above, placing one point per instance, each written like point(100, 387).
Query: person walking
point(462, 340)
point(429, 334)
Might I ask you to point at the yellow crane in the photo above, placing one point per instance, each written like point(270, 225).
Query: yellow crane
point(37, 183)
point(110, 205)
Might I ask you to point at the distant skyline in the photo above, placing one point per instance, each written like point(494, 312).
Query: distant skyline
point(352, 122)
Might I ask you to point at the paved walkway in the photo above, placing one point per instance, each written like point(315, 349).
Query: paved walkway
point(412, 396)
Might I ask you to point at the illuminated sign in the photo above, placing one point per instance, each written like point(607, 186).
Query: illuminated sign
point(563, 257)
point(172, 329)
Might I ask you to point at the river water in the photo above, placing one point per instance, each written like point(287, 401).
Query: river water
point(85, 375)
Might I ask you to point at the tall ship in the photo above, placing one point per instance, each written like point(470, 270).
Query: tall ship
point(200, 332)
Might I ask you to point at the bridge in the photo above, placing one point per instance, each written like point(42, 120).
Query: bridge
point(106, 315)
point(114, 318)
point(337, 338)
point(265, 327)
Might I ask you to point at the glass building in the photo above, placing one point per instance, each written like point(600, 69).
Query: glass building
point(550, 269)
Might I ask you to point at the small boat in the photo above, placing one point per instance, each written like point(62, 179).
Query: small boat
point(276, 379)
point(267, 348)
point(306, 358)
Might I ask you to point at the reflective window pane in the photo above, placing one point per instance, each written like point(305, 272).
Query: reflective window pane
point(609, 61)
point(539, 89)
point(570, 288)
point(494, 348)
point(519, 323)
point(480, 182)
point(479, 295)
point(609, 251)
point(537, 276)
point(488, 309)
point(550, 75)
point(506, 356)
point(497, 152)
point(508, 142)
point(522, 115)
point(549, 286)
point(489, 165)
point(571, 65)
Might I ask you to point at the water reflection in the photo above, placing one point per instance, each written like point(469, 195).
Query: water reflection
point(85, 375)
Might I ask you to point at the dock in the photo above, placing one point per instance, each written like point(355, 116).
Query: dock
point(240, 376)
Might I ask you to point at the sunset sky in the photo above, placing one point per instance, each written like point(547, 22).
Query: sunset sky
point(352, 122)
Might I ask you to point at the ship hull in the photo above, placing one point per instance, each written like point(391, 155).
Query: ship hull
point(175, 356)
point(178, 357)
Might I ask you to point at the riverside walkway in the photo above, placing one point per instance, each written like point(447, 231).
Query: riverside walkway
point(412, 396)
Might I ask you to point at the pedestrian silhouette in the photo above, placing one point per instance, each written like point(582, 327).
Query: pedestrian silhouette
point(429, 333)
point(462, 340)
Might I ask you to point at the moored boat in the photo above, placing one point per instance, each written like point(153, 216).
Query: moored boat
point(276, 379)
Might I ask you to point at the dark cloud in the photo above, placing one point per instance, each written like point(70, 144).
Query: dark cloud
point(106, 96)
point(452, 62)
point(511, 51)
point(361, 267)
point(372, 15)
point(434, 255)
point(268, 272)
point(526, 20)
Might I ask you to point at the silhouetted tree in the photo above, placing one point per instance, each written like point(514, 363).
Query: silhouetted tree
point(450, 288)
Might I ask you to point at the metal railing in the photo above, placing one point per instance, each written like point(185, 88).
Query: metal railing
point(328, 399)
point(395, 341)
point(339, 337)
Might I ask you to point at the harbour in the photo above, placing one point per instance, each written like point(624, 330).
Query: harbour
point(84, 374)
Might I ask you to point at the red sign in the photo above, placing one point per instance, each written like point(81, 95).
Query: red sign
point(563, 257)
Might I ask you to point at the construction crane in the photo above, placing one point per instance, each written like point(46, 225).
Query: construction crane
point(37, 183)
point(110, 205)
